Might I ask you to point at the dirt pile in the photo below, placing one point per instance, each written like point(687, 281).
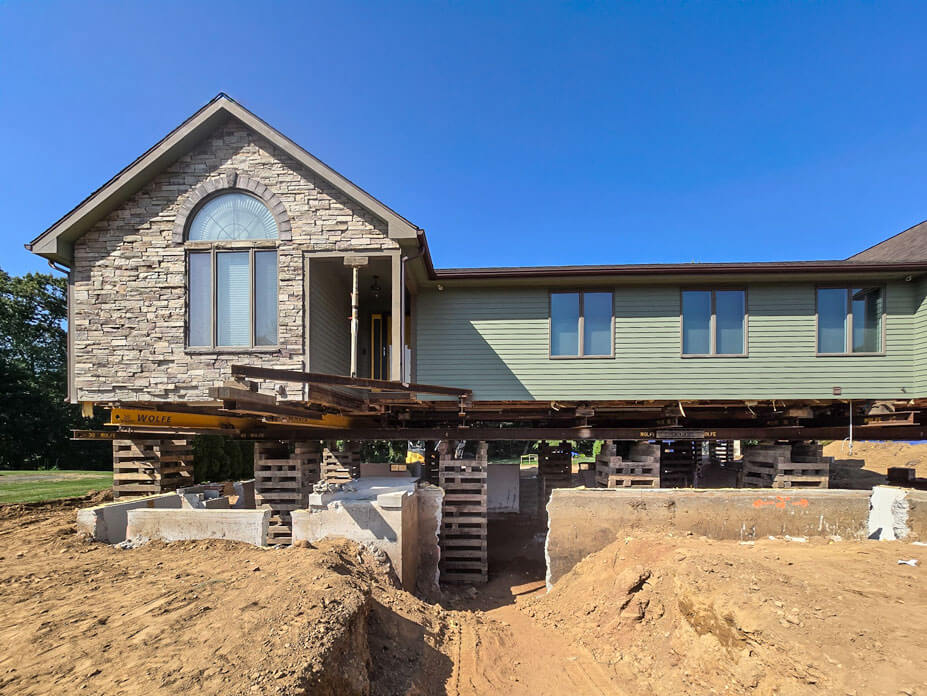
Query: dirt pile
point(695, 616)
point(208, 617)
point(868, 465)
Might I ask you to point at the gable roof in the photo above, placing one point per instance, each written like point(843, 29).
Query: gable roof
point(909, 245)
point(56, 243)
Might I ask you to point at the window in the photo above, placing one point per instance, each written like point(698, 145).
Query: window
point(232, 291)
point(581, 324)
point(714, 322)
point(850, 320)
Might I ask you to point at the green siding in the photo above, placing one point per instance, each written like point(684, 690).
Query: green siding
point(919, 347)
point(329, 330)
point(495, 341)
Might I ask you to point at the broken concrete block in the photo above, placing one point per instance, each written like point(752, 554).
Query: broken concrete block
point(888, 513)
point(381, 513)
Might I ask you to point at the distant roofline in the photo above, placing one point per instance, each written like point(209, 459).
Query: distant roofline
point(55, 241)
point(878, 244)
point(131, 177)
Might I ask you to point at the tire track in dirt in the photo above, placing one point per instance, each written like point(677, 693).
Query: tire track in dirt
point(505, 651)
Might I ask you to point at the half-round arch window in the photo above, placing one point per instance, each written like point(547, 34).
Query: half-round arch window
point(232, 288)
point(232, 216)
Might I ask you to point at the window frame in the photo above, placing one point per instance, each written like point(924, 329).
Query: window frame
point(580, 324)
point(713, 323)
point(214, 247)
point(848, 326)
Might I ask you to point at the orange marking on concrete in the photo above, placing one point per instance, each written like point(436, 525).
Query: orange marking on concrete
point(781, 502)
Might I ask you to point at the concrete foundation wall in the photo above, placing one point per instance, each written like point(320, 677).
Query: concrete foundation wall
point(502, 487)
point(581, 522)
point(249, 526)
point(108, 522)
point(380, 513)
point(430, 505)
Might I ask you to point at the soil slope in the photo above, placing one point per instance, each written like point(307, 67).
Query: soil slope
point(208, 617)
point(695, 616)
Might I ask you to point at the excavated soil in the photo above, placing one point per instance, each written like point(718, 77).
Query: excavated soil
point(695, 616)
point(869, 462)
point(655, 614)
point(210, 617)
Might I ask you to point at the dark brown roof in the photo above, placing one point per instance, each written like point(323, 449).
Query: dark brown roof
point(909, 245)
point(767, 267)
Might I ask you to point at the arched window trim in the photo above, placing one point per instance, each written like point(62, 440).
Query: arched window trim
point(230, 183)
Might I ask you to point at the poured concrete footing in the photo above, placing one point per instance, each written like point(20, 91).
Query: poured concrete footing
point(249, 526)
point(107, 522)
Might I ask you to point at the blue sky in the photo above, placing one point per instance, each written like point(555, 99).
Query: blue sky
point(514, 133)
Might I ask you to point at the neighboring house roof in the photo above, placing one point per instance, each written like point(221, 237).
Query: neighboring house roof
point(55, 243)
point(904, 246)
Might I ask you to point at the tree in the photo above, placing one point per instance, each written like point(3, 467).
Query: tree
point(35, 418)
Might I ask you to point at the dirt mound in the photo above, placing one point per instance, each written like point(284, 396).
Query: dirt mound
point(695, 616)
point(868, 465)
point(208, 617)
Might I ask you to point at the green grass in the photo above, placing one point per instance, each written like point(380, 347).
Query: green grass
point(31, 486)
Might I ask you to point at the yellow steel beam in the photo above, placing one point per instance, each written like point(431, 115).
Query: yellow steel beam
point(179, 419)
point(176, 419)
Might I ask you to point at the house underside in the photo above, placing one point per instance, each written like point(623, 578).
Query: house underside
point(345, 408)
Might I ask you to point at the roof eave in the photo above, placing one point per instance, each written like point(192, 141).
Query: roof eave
point(56, 242)
point(688, 269)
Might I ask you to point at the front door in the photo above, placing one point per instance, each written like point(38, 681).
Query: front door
point(380, 335)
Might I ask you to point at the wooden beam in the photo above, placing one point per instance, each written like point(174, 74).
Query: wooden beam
point(240, 394)
point(329, 397)
point(342, 380)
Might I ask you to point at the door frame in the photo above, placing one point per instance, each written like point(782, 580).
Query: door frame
point(395, 368)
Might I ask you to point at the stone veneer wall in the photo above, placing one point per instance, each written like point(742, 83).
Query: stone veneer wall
point(129, 295)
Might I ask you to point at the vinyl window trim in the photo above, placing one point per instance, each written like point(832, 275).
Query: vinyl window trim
point(580, 324)
point(213, 249)
point(712, 323)
point(848, 327)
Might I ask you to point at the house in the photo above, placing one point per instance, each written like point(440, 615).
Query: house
point(228, 281)
point(226, 244)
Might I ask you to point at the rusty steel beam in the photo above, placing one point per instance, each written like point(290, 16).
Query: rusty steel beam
point(342, 380)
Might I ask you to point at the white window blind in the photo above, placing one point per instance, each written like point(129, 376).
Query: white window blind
point(233, 299)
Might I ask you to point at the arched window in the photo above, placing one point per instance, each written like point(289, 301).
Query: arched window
point(232, 287)
point(233, 215)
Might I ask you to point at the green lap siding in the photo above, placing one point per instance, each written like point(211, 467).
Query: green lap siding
point(329, 332)
point(495, 341)
point(919, 347)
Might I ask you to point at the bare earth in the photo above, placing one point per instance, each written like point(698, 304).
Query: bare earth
point(650, 615)
point(869, 462)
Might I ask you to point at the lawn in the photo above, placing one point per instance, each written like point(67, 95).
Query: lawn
point(30, 486)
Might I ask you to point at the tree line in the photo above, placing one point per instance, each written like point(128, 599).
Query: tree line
point(35, 417)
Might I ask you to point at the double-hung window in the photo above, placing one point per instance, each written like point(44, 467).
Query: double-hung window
point(232, 280)
point(850, 320)
point(581, 324)
point(714, 322)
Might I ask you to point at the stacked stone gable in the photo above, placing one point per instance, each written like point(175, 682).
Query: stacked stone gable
point(129, 289)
